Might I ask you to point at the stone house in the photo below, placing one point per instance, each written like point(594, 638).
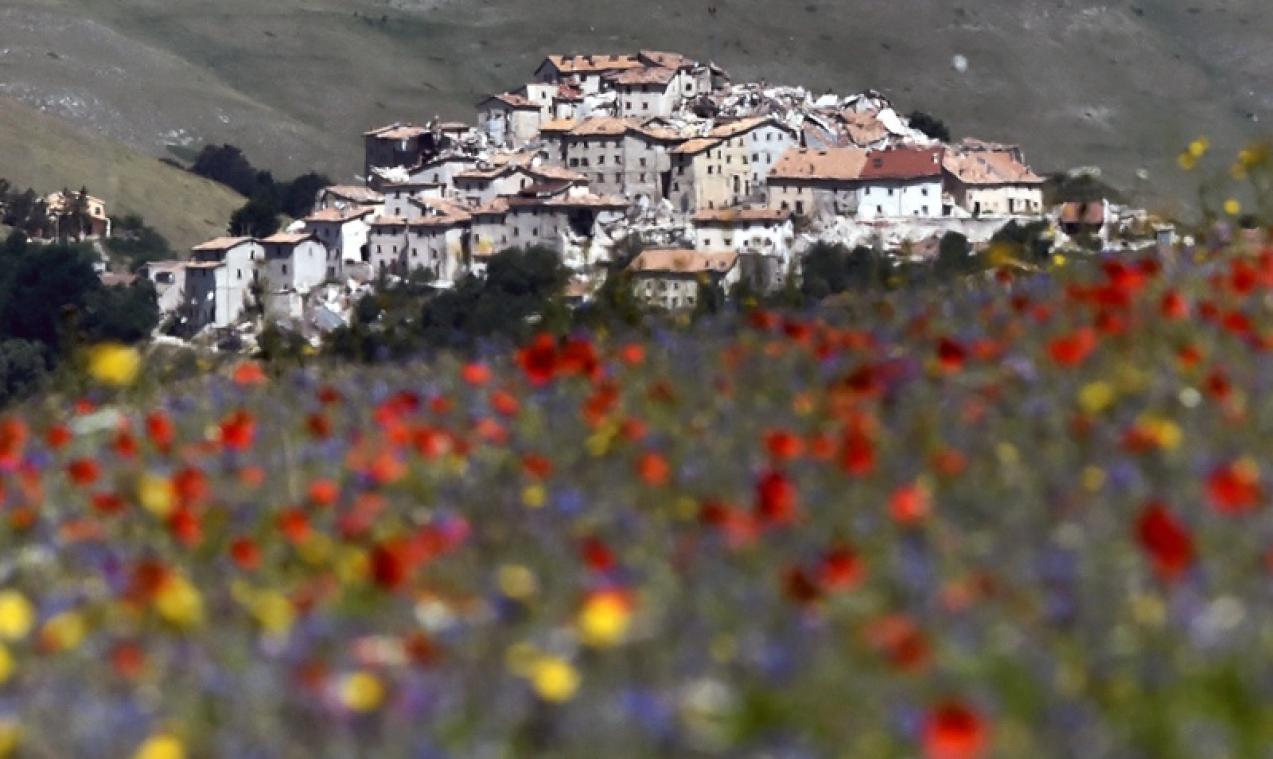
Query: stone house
point(294, 262)
point(386, 240)
point(749, 150)
point(762, 237)
point(442, 169)
point(585, 72)
point(647, 161)
point(342, 233)
point(485, 182)
point(901, 182)
point(594, 148)
point(93, 224)
point(696, 182)
point(219, 278)
point(646, 92)
point(673, 279)
point(397, 145)
point(692, 78)
point(400, 197)
point(992, 181)
point(345, 197)
point(509, 119)
point(816, 183)
point(169, 281)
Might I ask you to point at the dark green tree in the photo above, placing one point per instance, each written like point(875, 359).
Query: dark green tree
point(22, 369)
point(929, 125)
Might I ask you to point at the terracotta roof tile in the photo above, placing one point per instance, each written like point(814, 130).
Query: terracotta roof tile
point(832, 164)
point(221, 244)
point(683, 261)
point(643, 76)
point(593, 64)
point(903, 163)
point(696, 146)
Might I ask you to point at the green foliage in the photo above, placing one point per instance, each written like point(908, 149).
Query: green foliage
point(268, 198)
point(831, 268)
point(257, 218)
point(122, 314)
point(45, 292)
point(22, 369)
point(1078, 188)
point(930, 125)
point(135, 243)
point(1026, 240)
point(955, 257)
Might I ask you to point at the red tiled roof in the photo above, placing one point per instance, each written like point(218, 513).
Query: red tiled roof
point(832, 164)
point(637, 77)
point(221, 244)
point(683, 261)
point(903, 163)
point(592, 64)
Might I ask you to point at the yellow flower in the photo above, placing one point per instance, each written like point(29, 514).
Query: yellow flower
point(1096, 397)
point(1187, 161)
point(179, 603)
point(554, 679)
point(65, 631)
point(1093, 478)
point(156, 494)
point(362, 692)
point(274, 612)
point(604, 620)
point(534, 496)
point(516, 581)
point(7, 664)
point(1199, 147)
point(114, 364)
point(10, 738)
point(1059, 260)
point(17, 615)
point(1232, 207)
point(162, 746)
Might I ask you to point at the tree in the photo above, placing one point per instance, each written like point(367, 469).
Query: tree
point(47, 293)
point(124, 314)
point(1027, 240)
point(932, 126)
point(22, 369)
point(227, 164)
point(953, 255)
point(256, 218)
point(136, 243)
point(825, 270)
point(299, 195)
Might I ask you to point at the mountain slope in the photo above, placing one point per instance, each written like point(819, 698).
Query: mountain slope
point(1077, 82)
point(39, 151)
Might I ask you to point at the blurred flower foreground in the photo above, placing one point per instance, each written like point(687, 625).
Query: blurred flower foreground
point(1027, 517)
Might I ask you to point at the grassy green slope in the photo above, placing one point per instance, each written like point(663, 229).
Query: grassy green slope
point(39, 151)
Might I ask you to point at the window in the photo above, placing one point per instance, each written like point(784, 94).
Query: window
point(574, 162)
point(890, 192)
point(601, 160)
point(618, 177)
point(643, 162)
point(924, 191)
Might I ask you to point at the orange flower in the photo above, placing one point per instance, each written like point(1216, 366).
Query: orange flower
point(323, 492)
point(249, 373)
point(909, 504)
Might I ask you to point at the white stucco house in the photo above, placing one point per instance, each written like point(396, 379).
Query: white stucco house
point(342, 233)
point(901, 182)
point(219, 278)
point(294, 262)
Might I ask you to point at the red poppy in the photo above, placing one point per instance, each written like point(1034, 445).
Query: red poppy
point(951, 354)
point(841, 569)
point(128, 660)
point(578, 358)
point(83, 472)
point(505, 403)
point(246, 554)
point(191, 486)
point(632, 354)
point(294, 525)
point(388, 566)
point(1073, 349)
point(799, 587)
point(186, 527)
point(107, 503)
point(58, 436)
point(537, 466)
point(783, 445)
point(249, 373)
point(1166, 540)
point(539, 360)
point(653, 469)
point(323, 492)
point(909, 504)
point(238, 431)
point(900, 641)
point(1234, 489)
point(954, 731)
point(597, 555)
point(858, 454)
point(776, 499)
point(1174, 306)
point(476, 373)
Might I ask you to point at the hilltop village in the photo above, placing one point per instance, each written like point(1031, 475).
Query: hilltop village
point(651, 162)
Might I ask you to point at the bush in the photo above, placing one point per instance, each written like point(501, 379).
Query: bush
point(930, 125)
point(22, 369)
point(135, 243)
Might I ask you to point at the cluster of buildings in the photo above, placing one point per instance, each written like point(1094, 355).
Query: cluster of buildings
point(605, 156)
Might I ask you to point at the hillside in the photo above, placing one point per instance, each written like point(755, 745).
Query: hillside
point(48, 154)
point(1077, 82)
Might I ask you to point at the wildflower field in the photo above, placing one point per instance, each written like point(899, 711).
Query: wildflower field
point(1023, 517)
